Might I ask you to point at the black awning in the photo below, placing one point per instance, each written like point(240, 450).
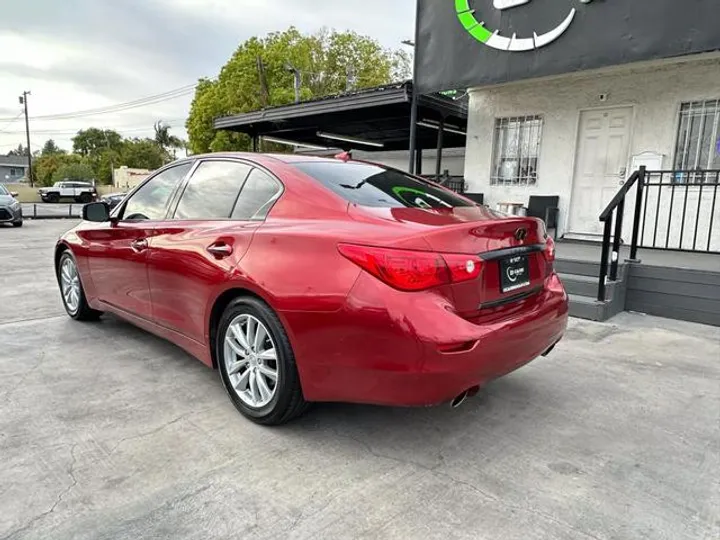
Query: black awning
point(376, 115)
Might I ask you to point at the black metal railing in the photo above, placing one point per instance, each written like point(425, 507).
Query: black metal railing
point(615, 213)
point(674, 210)
point(52, 211)
point(454, 183)
point(679, 210)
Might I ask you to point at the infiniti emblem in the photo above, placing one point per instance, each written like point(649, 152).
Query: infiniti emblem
point(520, 234)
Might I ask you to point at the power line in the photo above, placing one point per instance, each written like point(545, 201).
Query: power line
point(10, 122)
point(174, 123)
point(141, 102)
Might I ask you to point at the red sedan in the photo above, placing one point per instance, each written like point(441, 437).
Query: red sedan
point(309, 279)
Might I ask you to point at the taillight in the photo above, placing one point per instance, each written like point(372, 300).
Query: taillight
point(408, 270)
point(549, 255)
point(463, 267)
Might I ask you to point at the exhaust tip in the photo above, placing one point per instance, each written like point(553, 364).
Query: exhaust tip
point(459, 400)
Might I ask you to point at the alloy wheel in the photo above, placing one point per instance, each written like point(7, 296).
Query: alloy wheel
point(251, 361)
point(70, 283)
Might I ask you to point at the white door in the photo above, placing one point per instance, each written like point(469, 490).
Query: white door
point(601, 165)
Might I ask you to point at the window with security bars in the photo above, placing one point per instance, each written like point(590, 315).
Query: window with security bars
point(698, 144)
point(516, 151)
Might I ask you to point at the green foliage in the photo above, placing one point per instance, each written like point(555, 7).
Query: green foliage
point(164, 139)
point(92, 141)
point(330, 63)
point(142, 154)
point(73, 171)
point(45, 167)
point(19, 151)
point(51, 149)
point(96, 152)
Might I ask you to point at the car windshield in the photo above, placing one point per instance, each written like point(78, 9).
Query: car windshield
point(373, 185)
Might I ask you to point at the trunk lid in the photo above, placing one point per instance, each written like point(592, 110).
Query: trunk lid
point(511, 250)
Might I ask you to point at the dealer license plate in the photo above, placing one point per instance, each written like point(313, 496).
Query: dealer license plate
point(514, 273)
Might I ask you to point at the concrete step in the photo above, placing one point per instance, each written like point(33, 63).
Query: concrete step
point(586, 285)
point(577, 267)
point(587, 307)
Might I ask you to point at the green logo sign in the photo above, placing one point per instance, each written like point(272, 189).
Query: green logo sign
point(493, 39)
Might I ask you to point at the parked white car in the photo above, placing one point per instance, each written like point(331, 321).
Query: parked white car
point(81, 192)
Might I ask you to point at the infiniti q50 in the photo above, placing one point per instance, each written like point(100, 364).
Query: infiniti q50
point(304, 279)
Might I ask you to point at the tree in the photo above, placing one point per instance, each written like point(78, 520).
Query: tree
point(74, 171)
point(19, 151)
point(168, 143)
point(50, 149)
point(258, 74)
point(142, 154)
point(92, 141)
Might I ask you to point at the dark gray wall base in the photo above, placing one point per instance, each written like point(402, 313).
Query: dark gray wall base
point(675, 293)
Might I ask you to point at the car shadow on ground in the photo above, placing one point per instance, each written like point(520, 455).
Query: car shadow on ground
point(505, 409)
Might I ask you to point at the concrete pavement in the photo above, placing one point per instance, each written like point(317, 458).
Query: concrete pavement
point(107, 432)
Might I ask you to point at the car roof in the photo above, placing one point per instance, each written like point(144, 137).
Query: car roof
point(254, 156)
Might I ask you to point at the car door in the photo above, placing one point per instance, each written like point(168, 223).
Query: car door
point(192, 254)
point(118, 251)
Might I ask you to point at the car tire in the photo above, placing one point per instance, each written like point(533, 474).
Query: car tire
point(53, 198)
point(18, 224)
point(75, 304)
point(287, 400)
point(85, 198)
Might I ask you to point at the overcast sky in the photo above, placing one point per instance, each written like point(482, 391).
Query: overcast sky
point(83, 54)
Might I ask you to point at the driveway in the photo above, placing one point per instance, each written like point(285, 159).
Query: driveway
point(109, 433)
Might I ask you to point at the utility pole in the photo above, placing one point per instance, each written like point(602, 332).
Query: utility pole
point(112, 161)
point(297, 76)
point(264, 91)
point(351, 79)
point(23, 101)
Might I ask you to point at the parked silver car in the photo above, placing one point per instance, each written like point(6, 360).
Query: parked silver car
point(10, 208)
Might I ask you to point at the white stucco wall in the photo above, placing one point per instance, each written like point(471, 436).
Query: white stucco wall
point(655, 92)
point(126, 178)
point(453, 160)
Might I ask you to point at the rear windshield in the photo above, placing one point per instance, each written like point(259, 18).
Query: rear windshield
point(372, 185)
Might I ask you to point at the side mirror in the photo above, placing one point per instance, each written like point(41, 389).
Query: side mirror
point(97, 212)
point(13, 193)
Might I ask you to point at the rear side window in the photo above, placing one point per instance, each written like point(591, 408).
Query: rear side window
point(257, 196)
point(212, 190)
point(371, 185)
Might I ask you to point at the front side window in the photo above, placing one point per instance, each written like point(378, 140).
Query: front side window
point(212, 190)
point(3, 190)
point(151, 201)
point(516, 151)
point(698, 144)
point(372, 185)
point(257, 196)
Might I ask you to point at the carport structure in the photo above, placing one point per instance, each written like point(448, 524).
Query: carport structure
point(373, 119)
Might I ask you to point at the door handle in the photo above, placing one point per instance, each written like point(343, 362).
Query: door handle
point(220, 250)
point(141, 244)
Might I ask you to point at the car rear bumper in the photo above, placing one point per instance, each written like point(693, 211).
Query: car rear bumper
point(392, 348)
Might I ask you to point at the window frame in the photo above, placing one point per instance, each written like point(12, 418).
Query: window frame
point(119, 211)
point(181, 189)
point(714, 133)
point(495, 179)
